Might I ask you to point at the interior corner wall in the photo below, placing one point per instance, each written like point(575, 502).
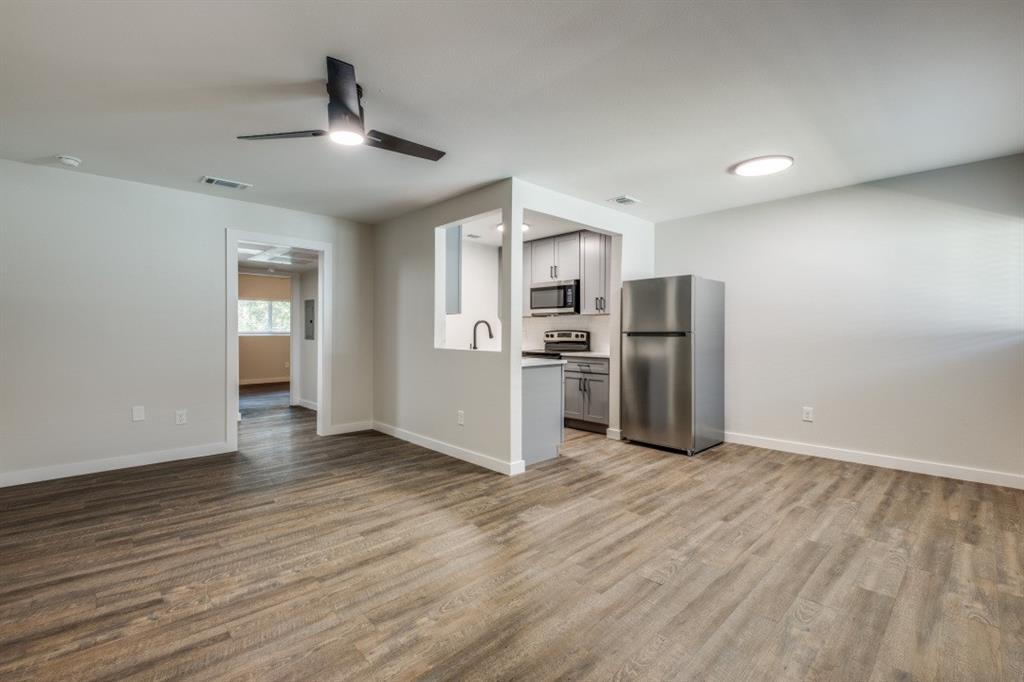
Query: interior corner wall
point(895, 309)
point(133, 277)
point(419, 389)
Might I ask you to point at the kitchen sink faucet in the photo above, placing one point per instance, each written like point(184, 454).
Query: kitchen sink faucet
point(490, 334)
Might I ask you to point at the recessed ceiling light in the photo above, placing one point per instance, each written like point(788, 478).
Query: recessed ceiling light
point(347, 137)
point(501, 227)
point(526, 228)
point(762, 165)
point(70, 161)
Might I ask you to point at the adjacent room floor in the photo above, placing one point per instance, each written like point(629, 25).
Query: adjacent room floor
point(366, 557)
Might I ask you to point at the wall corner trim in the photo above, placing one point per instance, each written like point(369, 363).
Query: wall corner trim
point(917, 466)
point(94, 466)
point(477, 458)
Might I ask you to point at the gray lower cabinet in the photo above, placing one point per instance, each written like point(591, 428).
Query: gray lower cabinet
point(595, 405)
point(586, 393)
point(574, 396)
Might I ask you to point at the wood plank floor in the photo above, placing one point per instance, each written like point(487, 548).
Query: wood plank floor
point(365, 557)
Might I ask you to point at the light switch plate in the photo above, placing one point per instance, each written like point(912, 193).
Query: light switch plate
point(808, 414)
point(138, 413)
point(181, 417)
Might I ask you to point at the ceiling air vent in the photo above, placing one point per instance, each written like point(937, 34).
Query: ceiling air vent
point(624, 200)
point(222, 182)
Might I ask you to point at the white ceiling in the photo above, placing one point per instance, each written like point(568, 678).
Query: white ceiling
point(540, 225)
point(592, 99)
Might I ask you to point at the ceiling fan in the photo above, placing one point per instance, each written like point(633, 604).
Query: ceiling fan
point(345, 118)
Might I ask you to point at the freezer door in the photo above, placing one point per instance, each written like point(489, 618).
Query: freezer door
point(657, 390)
point(662, 304)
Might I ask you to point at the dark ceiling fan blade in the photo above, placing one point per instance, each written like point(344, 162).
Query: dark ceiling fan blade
point(343, 110)
point(284, 136)
point(380, 140)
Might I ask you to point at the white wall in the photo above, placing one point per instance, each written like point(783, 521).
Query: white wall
point(418, 389)
point(895, 309)
point(133, 277)
point(480, 278)
point(307, 348)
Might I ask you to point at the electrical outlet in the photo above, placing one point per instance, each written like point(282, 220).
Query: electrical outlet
point(287, 365)
point(181, 417)
point(461, 418)
point(138, 413)
point(808, 414)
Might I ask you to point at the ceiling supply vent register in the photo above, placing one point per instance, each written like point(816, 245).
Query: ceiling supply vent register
point(224, 182)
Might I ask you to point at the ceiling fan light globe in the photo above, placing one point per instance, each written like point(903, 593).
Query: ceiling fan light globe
point(347, 137)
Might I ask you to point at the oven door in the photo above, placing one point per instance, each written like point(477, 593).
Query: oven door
point(556, 298)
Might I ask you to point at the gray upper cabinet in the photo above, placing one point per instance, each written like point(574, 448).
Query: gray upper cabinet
point(542, 261)
point(555, 259)
point(596, 261)
point(567, 256)
point(584, 255)
point(527, 276)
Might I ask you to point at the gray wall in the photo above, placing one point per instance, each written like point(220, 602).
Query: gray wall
point(895, 309)
point(112, 294)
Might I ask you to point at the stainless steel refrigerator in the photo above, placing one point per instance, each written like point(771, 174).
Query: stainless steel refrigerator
point(673, 362)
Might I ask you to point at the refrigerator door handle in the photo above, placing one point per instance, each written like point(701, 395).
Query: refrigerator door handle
point(655, 333)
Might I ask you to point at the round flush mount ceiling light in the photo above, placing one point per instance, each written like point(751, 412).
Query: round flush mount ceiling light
point(762, 165)
point(346, 137)
point(501, 227)
point(70, 161)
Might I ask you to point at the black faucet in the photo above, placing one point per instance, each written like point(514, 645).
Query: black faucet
point(490, 334)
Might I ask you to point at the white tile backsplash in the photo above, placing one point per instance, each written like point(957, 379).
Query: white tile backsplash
point(597, 325)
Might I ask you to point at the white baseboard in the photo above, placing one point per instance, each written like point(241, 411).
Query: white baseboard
point(110, 463)
point(477, 458)
point(338, 429)
point(270, 380)
point(614, 434)
point(308, 404)
point(918, 466)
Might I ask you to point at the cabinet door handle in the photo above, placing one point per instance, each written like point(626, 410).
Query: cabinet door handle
point(597, 302)
point(586, 385)
point(579, 384)
point(556, 272)
point(602, 303)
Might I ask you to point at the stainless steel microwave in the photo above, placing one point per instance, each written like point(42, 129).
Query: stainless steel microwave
point(555, 298)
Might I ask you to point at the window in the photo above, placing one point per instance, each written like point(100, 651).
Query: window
point(264, 317)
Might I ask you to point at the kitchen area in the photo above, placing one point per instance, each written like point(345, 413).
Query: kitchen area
point(641, 360)
point(670, 333)
point(567, 301)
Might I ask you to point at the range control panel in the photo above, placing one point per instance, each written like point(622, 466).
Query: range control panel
point(566, 335)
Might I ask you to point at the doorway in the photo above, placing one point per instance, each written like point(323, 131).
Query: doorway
point(278, 327)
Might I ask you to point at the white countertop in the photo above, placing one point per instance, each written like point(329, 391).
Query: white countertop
point(541, 362)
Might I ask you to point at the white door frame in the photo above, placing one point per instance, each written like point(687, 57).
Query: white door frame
point(324, 325)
